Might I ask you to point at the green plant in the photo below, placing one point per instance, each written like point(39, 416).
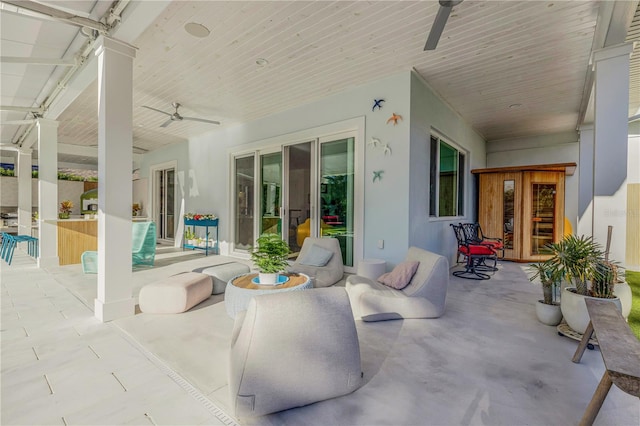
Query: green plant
point(605, 278)
point(549, 282)
point(6, 172)
point(633, 279)
point(577, 260)
point(189, 234)
point(270, 253)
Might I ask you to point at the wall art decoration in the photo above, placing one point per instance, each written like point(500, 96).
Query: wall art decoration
point(377, 175)
point(385, 148)
point(374, 142)
point(377, 103)
point(394, 118)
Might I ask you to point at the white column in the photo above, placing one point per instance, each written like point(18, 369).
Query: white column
point(48, 192)
point(115, 158)
point(585, 183)
point(24, 192)
point(611, 66)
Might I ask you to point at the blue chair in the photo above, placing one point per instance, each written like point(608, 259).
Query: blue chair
point(143, 247)
point(144, 243)
point(10, 242)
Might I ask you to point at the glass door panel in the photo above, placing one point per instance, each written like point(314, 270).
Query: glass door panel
point(337, 194)
point(165, 203)
point(543, 216)
point(271, 196)
point(508, 200)
point(244, 198)
point(297, 195)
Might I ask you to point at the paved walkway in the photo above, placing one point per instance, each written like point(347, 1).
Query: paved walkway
point(61, 366)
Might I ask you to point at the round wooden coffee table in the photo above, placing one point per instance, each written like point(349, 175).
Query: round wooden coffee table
point(241, 289)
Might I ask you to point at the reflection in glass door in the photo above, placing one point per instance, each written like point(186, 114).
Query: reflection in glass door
point(297, 194)
point(271, 196)
point(165, 203)
point(543, 212)
point(337, 194)
point(244, 182)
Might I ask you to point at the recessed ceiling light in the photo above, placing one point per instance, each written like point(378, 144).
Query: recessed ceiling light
point(196, 30)
point(515, 106)
point(262, 62)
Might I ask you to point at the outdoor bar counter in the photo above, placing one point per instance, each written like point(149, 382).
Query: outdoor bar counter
point(75, 236)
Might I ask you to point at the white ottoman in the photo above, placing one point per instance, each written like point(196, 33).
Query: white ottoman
point(372, 268)
point(221, 274)
point(175, 294)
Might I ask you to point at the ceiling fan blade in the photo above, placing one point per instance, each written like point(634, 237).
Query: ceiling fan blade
point(437, 27)
point(157, 110)
point(201, 120)
point(166, 123)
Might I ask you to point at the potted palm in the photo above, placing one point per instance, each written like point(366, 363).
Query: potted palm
point(270, 255)
point(582, 264)
point(547, 309)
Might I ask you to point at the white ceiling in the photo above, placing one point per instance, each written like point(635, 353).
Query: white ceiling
point(493, 54)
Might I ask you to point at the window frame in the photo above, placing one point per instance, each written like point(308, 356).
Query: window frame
point(460, 204)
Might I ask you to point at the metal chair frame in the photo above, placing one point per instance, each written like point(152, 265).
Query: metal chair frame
point(475, 256)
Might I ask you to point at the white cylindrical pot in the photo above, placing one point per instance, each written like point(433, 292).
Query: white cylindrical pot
point(623, 291)
point(575, 311)
point(269, 279)
point(548, 314)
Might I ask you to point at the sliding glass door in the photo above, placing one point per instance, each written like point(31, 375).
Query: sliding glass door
point(164, 182)
point(337, 194)
point(271, 195)
point(297, 193)
point(302, 189)
point(244, 201)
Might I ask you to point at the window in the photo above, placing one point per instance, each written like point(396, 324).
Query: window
point(446, 190)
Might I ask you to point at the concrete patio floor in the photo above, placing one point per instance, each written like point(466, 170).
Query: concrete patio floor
point(486, 361)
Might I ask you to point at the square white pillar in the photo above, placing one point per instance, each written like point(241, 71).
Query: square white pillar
point(115, 158)
point(48, 192)
point(24, 192)
point(585, 184)
point(611, 66)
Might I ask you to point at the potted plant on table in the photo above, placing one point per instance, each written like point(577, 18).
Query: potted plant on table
point(65, 209)
point(547, 309)
point(270, 255)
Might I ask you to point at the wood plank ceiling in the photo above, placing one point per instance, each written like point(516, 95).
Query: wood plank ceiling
point(510, 68)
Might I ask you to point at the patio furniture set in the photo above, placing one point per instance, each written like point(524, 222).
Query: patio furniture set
point(270, 367)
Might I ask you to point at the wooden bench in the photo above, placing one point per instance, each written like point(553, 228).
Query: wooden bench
point(620, 350)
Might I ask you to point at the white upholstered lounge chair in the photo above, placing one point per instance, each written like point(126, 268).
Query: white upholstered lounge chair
point(322, 276)
point(423, 297)
point(292, 349)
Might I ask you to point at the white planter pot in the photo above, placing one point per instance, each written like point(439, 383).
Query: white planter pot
point(270, 279)
point(191, 242)
point(548, 314)
point(574, 309)
point(623, 291)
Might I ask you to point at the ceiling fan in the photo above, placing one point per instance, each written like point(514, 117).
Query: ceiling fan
point(177, 117)
point(440, 21)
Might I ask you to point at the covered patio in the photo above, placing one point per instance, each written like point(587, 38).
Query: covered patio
point(486, 361)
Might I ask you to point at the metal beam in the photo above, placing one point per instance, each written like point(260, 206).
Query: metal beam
point(58, 14)
point(37, 110)
point(36, 61)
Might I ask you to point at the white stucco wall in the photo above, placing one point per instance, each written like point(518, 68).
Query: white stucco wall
point(428, 112)
point(546, 149)
point(390, 210)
